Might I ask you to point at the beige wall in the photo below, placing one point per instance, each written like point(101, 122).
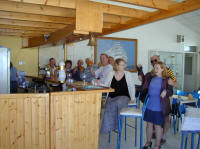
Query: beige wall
point(17, 54)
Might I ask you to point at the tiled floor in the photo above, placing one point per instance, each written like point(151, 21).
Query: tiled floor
point(173, 141)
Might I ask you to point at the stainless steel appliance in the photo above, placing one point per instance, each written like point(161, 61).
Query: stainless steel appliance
point(4, 70)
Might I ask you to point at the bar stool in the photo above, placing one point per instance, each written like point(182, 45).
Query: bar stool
point(132, 112)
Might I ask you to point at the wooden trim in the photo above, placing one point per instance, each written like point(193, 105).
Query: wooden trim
point(32, 23)
point(82, 92)
point(36, 17)
point(157, 4)
point(26, 28)
point(123, 11)
point(124, 39)
point(8, 96)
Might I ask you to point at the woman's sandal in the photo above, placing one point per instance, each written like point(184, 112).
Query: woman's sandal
point(148, 146)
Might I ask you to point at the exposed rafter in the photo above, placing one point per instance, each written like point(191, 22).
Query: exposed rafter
point(36, 9)
point(157, 4)
point(31, 23)
point(36, 17)
point(54, 37)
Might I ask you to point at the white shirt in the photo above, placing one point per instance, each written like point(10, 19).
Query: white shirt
point(102, 72)
point(129, 80)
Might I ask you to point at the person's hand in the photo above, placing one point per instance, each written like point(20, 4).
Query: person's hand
point(172, 83)
point(140, 77)
point(131, 101)
point(139, 65)
point(92, 71)
point(163, 94)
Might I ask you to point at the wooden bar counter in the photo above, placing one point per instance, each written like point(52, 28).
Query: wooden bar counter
point(58, 120)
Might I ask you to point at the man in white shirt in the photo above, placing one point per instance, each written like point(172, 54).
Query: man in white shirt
point(103, 71)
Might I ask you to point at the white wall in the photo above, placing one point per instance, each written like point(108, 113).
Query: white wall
point(46, 52)
point(79, 50)
point(160, 35)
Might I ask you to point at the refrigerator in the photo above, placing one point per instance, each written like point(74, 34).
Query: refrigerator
point(4, 70)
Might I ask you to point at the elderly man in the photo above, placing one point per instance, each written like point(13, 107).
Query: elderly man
point(78, 70)
point(172, 81)
point(105, 68)
point(89, 68)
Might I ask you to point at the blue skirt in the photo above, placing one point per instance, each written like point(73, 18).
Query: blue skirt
point(155, 117)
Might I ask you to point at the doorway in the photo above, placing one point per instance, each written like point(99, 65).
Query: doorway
point(190, 73)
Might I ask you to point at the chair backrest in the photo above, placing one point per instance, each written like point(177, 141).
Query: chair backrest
point(138, 100)
point(180, 93)
point(145, 104)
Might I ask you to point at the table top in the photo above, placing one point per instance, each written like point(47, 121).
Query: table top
point(191, 121)
point(184, 99)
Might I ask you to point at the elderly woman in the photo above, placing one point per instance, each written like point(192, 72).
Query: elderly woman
point(123, 83)
point(68, 68)
point(158, 107)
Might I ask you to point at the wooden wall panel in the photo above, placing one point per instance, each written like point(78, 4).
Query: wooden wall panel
point(24, 121)
point(74, 120)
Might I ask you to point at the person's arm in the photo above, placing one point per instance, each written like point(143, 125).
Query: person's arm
point(132, 87)
point(168, 91)
point(97, 72)
point(108, 78)
point(141, 75)
point(172, 81)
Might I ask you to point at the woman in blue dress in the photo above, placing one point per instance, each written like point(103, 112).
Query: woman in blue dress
point(158, 106)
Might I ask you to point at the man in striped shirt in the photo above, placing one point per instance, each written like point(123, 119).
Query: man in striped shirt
point(172, 81)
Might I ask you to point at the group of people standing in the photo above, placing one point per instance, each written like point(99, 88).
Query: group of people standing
point(157, 84)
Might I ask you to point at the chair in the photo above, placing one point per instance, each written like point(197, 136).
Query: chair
point(175, 107)
point(180, 93)
point(132, 112)
point(137, 105)
point(133, 105)
point(196, 96)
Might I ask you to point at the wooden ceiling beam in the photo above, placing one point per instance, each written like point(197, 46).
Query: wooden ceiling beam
point(157, 4)
point(35, 17)
point(36, 9)
point(174, 10)
point(31, 6)
point(123, 11)
point(107, 18)
point(26, 28)
point(54, 37)
point(31, 24)
point(57, 3)
point(19, 34)
point(21, 31)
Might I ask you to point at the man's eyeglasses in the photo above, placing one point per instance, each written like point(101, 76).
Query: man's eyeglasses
point(152, 61)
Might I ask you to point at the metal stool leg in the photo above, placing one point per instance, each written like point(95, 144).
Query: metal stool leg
point(135, 131)
point(141, 134)
point(192, 141)
point(198, 142)
point(109, 136)
point(125, 129)
point(119, 132)
point(182, 140)
point(186, 139)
